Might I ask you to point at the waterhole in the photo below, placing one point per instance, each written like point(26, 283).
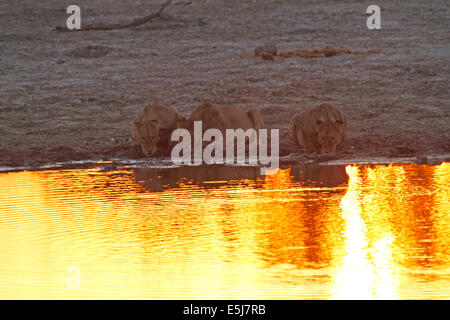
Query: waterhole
point(355, 231)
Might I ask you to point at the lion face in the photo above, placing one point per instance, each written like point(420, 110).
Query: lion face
point(330, 133)
point(147, 136)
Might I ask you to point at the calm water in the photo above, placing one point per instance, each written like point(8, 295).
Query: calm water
point(304, 233)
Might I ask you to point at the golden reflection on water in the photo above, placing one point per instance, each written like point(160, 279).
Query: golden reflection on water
point(365, 232)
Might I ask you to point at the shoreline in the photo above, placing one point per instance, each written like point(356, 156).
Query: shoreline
point(165, 163)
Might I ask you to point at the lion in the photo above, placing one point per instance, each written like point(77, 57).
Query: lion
point(153, 126)
point(320, 129)
point(223, 117)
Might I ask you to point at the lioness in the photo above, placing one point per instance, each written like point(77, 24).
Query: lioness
point(223, 117)
point(320, 129)
point(153, 126)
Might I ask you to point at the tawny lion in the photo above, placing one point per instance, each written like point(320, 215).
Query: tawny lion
point(153, 127)
point(320, 129)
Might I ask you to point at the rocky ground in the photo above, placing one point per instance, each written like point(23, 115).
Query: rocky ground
point(73, 95)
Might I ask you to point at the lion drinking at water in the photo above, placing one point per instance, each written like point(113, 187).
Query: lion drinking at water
point(320, 129)
point(153, 126)
point(223, 117)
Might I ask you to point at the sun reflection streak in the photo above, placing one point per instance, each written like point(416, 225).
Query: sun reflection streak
point(366, 271)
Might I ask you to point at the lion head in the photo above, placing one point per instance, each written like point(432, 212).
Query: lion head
point(330, 128)
point(146, 134)
point(320, 129)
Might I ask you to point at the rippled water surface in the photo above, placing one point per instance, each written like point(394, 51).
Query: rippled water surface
point(207, 232)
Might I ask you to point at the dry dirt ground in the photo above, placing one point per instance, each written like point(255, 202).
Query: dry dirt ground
point(73, 95)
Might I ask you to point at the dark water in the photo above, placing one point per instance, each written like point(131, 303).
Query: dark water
point(225, 232)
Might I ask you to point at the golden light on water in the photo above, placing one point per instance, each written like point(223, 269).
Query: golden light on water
point(366, 270)
point(391, 222)
point(365, 232)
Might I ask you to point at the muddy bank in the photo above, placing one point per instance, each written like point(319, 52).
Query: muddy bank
point(72, 96)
